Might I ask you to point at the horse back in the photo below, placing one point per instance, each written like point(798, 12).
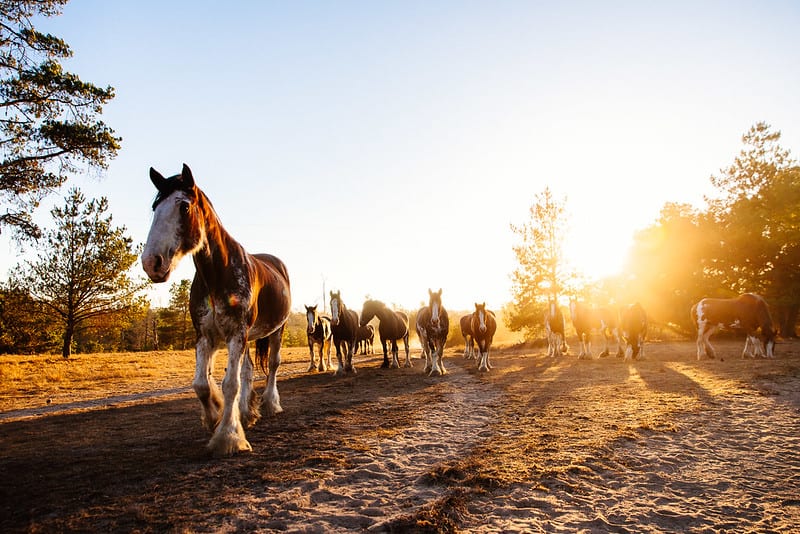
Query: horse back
point(274, 299)
point(466, 327)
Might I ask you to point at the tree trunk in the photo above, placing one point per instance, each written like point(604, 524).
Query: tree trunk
point(66, 350)
point(788, 321)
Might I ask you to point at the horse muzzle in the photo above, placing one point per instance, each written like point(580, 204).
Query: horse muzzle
point(156, 268)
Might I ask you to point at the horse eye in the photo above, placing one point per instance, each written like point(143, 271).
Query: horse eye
point(184, 207)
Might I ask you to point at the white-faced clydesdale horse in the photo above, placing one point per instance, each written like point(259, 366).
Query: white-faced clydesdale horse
point(748, 312)
point(585, 319)
point(466, 332)
point(554, 326)
point(318, 331)
point(393, 327)
point(633, 330)
point(344, 326)
point(235, 296)
point(483, 326)
point(433, 326)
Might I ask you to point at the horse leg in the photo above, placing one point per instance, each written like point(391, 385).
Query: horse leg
point(249, 411)
point(350, 367)
point(229, 436)
point(338, 343)
point(434, 364)
point(312, 366)
point(322, 367)
point(408, 352)
point(440, 356)
point(204, 385)
point(704, 333)
point(605, 352)
point(563, 343)
point(385, 364)
point(395, 360)
point(327, 348)
point(270, 400)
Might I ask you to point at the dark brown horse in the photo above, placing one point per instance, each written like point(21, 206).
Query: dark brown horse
point(235, 297)
point(393, 326)
point(318, 331)
point(633, 330)
point(344, 324)
point(466, 331)
point(483, 325)
point(748, 312)
point(586, 319)
point(433, 326)
point(364, 338)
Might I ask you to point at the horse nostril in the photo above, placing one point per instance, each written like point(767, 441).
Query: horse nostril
point(158, 261)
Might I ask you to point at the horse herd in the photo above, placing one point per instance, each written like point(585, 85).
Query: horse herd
point(628, 326)
point(236, 296)
point(345, 330)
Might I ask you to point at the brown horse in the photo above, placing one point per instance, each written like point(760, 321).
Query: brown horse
point(318, 331)
point(235, 296)
point(585, 319)
point(748, 312)
point(393, 327)
point(483, 326)
point(344, 325)
point(433, 325)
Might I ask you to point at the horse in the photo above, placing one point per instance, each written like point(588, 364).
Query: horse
point(364, 338)
point(393, 327)
point(235, 296)
point(748, 312)
point(585, 319)
point(483, 325)
point(466, 332)
point(344, 325)
point(319, 333)
point(555, 329)
point(633, 330)
point(433, 326)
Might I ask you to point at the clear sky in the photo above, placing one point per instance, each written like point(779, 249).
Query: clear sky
point(383, 148)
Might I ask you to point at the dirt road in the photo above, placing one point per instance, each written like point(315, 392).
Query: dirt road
point(536, 445)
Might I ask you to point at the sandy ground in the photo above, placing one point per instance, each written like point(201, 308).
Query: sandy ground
point(666, 444)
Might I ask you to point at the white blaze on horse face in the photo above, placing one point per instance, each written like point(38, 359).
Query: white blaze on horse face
point(311, 321)
point(335, 311)
point(162, 252)
point(435, 313)
point(482, 319)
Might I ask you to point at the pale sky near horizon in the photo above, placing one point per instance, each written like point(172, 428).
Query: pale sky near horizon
point(384, 148)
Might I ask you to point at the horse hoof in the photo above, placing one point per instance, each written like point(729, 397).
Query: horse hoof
point(311, 367)
point(224, 444)
point(385, 365)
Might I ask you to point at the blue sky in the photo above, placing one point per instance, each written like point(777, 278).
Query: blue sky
point(385, 147)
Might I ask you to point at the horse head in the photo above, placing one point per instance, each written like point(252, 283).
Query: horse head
point(311, 318)
point(336, 304)
point(177, 228)
point(480, 311)
point(435, 305)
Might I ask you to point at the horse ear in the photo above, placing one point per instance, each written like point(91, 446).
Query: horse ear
point(186, 177)
point(430, 293)
point(158, 180)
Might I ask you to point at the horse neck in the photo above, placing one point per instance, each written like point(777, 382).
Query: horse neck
point(220, 249)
